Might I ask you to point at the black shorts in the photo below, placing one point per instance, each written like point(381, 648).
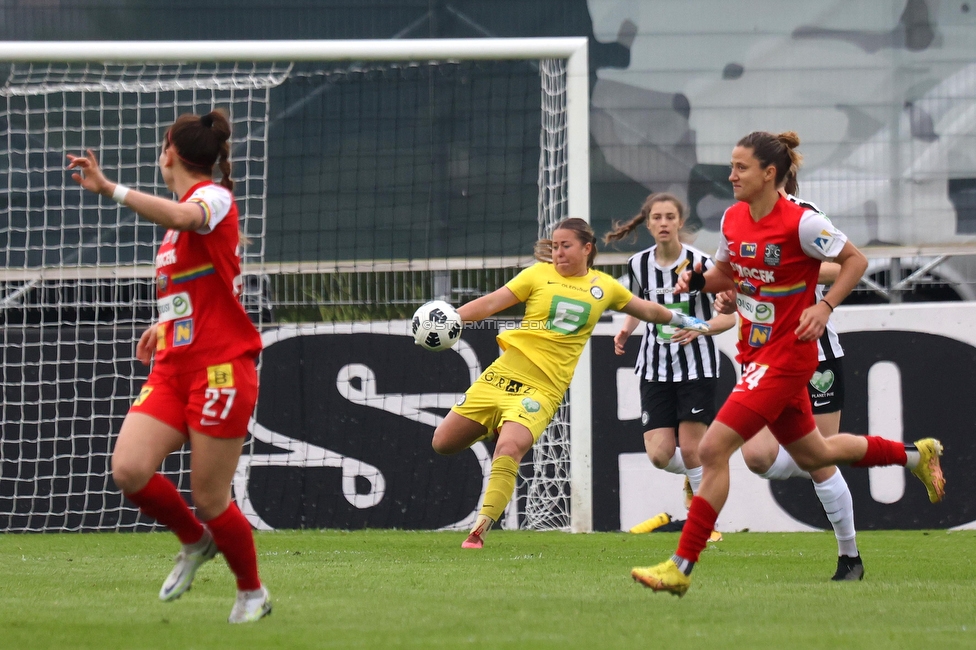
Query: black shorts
point(826, 387)
point(664, 404)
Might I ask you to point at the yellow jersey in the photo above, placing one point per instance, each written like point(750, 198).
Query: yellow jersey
point(560, 314)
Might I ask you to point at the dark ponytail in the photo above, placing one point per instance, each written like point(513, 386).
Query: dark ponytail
point(202, 142)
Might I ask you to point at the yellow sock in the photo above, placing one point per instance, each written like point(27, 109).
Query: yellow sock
point(501, 486)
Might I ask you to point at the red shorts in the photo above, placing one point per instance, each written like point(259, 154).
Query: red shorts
point(216, 401)
point(773, 397)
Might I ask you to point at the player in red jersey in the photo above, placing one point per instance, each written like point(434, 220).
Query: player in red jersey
point(770, 253)
point(203, 385)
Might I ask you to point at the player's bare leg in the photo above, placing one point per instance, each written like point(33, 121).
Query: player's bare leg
point(143, 444)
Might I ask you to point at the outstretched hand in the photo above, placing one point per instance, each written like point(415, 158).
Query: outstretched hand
point(89, 174)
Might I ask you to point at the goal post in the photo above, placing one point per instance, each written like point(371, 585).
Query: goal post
point(76, 283)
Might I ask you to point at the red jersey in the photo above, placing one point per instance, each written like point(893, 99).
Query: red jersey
point(776, 262)
point(198, 277)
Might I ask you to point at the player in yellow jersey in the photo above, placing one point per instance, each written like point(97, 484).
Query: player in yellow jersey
point(519, 393)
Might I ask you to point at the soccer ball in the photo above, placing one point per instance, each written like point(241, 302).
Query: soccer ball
point(436, 326)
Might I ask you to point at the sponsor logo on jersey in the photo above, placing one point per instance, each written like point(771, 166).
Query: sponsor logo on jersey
point(759, 334)
point(747, 250)
point(772, 254)
point(763, 275)
point(566, 315)
point(461, 400)
point(143, 394)
point(645, 418)
point(664, 331)
point(182, 332)
point(171, 236)
point(596, 292)
point(755, 311)
point(166, 258)
point(822, 381)
point(823, 241)
point(176, 306)
point(508, 385)
point(160, 337)
point(566, 286)
point(747, 287)
point(221, 376)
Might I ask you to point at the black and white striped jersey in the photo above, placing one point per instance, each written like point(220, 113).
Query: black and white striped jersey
point(659, 359)
point(828, 346)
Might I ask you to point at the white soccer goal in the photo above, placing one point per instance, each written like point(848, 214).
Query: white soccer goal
point(371, 177)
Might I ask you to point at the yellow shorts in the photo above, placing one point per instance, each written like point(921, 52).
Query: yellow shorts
point(502, 394)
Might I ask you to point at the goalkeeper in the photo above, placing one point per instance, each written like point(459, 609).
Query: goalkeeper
point(203, 385)
point(517, 396)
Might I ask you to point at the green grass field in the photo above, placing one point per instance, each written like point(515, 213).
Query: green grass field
point(528, 590)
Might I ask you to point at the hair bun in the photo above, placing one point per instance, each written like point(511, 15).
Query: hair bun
point(790, 139)
point(207, 120)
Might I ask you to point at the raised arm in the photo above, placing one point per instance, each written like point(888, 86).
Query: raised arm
point(652, 312)
point(165, 212)
point(489, 305)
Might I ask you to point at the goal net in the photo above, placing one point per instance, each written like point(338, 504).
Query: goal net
point(371, 177)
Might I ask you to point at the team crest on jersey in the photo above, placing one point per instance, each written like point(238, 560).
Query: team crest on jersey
point(772, 254)
point(747, 250)
point(530, 405)
point(596, 292)
point(183, 332)
point(162, 282)
point(759, 335)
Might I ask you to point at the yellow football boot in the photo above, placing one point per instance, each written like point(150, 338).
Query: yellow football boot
point(666, 576)
point(929, 469)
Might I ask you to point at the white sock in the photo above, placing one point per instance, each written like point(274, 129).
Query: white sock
point(914, 458)
point(839, 506)
point(677, 464)
point(784, 467)
point(694, 477)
